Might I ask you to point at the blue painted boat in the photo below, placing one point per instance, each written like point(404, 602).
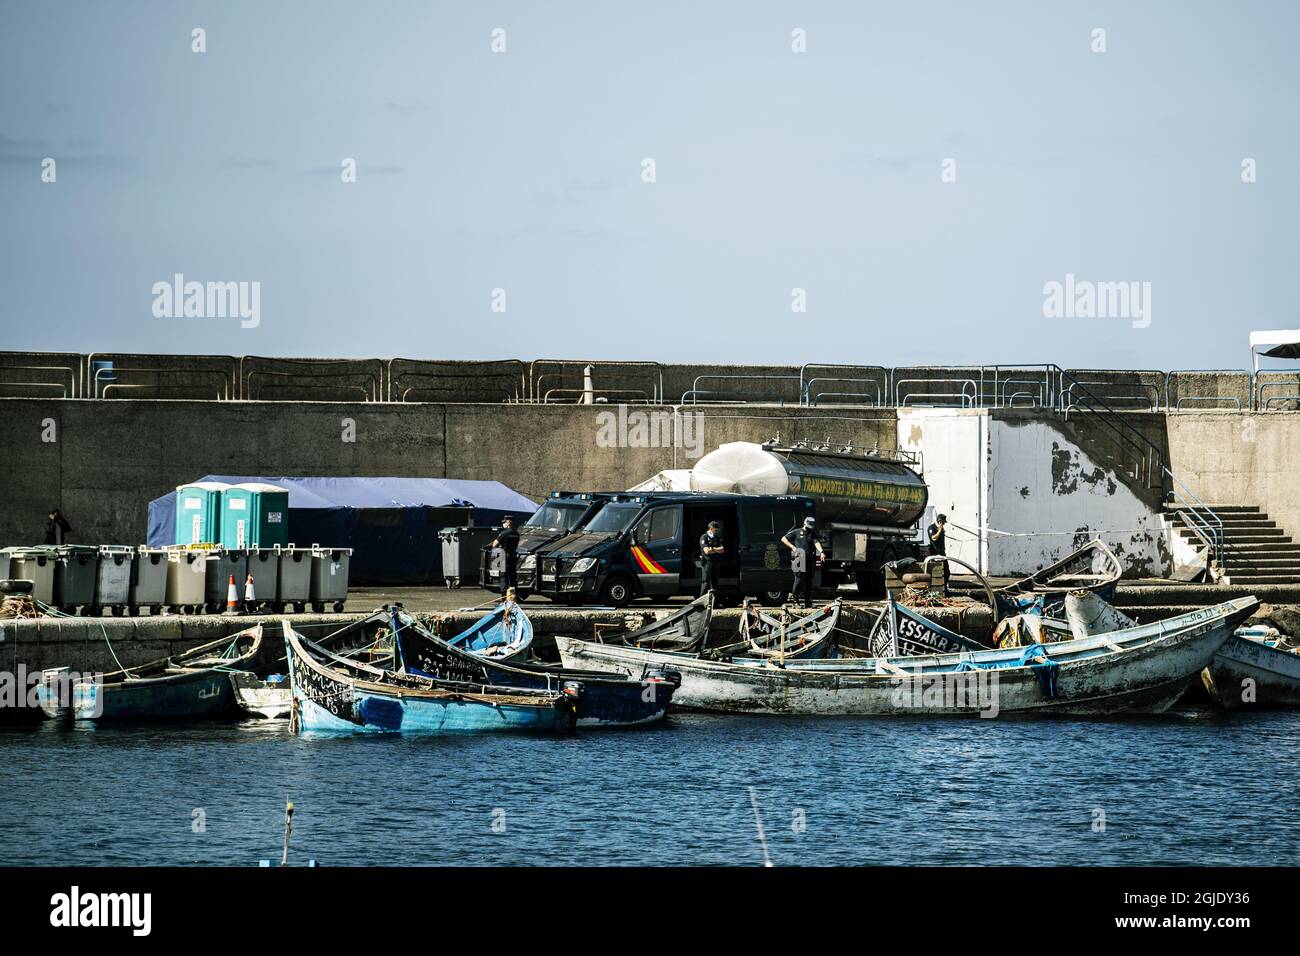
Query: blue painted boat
point(607, 700)
point(191, 686)
point(336, 695)
point(503, 634)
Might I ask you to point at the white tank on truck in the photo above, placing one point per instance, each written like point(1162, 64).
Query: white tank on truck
point(868, 503)
point(853, 488)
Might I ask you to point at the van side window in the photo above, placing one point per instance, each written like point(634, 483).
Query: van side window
point(662, 524)
point(766, 523)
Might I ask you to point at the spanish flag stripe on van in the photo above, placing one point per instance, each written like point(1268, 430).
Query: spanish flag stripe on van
point(647, 564)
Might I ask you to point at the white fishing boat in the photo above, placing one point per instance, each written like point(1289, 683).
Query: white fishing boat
point(1143, 668)
point(1254, 670)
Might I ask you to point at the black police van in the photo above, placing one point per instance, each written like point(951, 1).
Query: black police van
point(648, 545)
point(562, 512)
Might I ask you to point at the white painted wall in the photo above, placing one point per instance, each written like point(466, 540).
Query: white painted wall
point(955, 448)
point(1049, 496)
point(1010, 511)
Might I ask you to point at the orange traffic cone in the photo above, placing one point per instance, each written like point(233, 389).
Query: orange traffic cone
point(250, 598)
point(232, 598)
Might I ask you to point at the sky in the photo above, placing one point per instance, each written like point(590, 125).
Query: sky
point(900, 191)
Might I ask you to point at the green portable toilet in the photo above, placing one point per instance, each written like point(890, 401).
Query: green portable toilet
point(254, 515)
point(198, 512)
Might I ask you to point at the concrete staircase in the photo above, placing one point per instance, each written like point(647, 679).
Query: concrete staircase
point(1257, 551)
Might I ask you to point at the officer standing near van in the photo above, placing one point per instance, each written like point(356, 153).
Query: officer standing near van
point(508, 542)
point(711, 551)
point(802, 541)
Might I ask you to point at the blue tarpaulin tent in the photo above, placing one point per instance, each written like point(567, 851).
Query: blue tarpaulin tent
point(391, 524)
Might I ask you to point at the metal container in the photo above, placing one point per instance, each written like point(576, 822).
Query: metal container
point(329, 577)
point(113, 578)
point(222, 566)
point(293, 585)
point(148, 579)
point(264, 566)
point(5, 562)
point(76, 567)
point(462, 552)
point(848, 487)
point(35, 565)
point(186, 578)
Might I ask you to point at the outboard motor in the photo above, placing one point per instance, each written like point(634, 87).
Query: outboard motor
point(1088, 615)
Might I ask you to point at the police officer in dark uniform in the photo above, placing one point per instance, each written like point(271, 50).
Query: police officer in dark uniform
point(508, 542)
point(938, 542)
point(711, 551)
point(56, 528)
point(936, 535)
point(802, 541)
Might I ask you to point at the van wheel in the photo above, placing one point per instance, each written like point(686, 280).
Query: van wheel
point(773, 598)
point(617, 592)
point(728, 599)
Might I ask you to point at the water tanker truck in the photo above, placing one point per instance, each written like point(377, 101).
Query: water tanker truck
point(868, 503)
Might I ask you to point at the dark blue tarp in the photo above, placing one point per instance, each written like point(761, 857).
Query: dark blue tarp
point(391, 524)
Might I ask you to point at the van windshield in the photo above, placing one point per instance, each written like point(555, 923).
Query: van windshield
point(613, 519)
point(555, 515)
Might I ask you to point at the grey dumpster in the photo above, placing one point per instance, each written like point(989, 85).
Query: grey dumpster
point(222, 566)
point(264, 566)
point(113, 579)
point(35, 565)
point(462, 551)
point(186, 580)
point(293, 587)
point(329, 577)
point(75, 570)
point(148, 580)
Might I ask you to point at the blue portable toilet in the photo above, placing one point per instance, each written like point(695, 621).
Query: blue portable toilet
point(198, 512)
point(254, 515)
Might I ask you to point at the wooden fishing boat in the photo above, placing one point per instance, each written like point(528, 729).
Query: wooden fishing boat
point(268, 696)
point(333, 695)
point(763, 635)
point(1092, 567)
point(686, 629)
point(190, 686)
point(1254, 671)
point(1139, 669)
point(608, 700)
point(503, 634)
point(901, 632)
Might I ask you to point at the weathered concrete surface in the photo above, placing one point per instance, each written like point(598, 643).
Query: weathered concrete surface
point(107, 460)
point(1245, 459)
point(103, 461)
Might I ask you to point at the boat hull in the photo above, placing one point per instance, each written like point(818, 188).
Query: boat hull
point(1146, 677)
point(257, 698)
point(1274, 675)
point(326, 701)
point(606, 701)
point(201, 695)
point(383, 714)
